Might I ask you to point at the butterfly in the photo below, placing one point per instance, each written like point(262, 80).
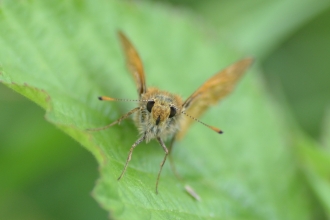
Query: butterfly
point(160, 114)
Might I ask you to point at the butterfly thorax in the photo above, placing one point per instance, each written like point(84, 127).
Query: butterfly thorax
point(160, 114)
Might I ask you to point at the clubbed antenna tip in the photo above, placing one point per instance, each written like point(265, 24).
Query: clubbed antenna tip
point(105, 98)
point(209, 126)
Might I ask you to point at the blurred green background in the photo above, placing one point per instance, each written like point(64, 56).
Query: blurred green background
point(39, 163)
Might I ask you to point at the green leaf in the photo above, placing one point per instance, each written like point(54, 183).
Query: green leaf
point(39, 164)
point(315, 163)
point(64, 54)
point(326, 130)
point(259, 26)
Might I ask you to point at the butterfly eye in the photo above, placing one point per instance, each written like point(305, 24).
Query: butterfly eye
point(150, 104)
point(173, 112)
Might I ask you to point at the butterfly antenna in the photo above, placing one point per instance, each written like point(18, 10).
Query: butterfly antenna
point(106, 98)
point(209, 126)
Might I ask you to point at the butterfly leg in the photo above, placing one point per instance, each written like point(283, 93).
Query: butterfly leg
point(117, 121)
point(188, 188)
point(163, 162)
point(130, 154)
point(171, 159)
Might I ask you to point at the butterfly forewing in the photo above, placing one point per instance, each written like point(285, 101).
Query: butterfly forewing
point(134, 63)
point(212, 91)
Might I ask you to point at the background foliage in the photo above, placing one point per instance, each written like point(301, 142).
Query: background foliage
point(272, 162)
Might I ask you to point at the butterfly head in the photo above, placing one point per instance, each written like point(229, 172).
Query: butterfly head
point(160, 111)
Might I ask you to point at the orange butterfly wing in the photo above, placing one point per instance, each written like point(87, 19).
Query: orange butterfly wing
point(213, 90)
point(134, 63)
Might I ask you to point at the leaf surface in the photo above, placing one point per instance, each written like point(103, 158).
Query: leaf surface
point(64, 54)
